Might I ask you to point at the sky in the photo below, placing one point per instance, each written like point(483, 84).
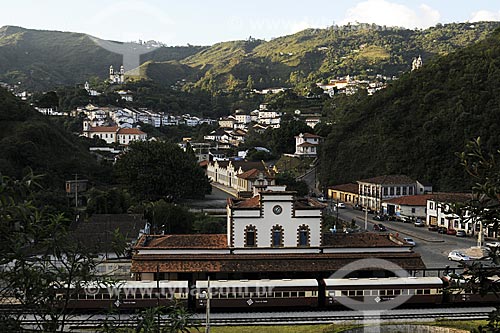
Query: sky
point(203, 22)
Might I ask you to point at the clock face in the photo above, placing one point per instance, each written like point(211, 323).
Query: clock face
point(277, 209)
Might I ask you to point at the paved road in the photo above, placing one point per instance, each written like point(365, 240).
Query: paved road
point(433, 247)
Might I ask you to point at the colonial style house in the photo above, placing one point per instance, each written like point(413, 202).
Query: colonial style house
point(306, 145)
point(271, 235)
point(240, 175)
point(439, 214)
point(412, 206)
point(114, 134)
point(373, 191)
point(347, 193)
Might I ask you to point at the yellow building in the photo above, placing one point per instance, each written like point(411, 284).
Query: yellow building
point(347, 193)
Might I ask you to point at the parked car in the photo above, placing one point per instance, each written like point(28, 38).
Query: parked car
point(419, 223)
point(406, 219)
point(322, 199)
point(433, 228)
point(457, 256)
point(409, 241)
point(340, 205)
point(451, 232)
point(461, 233)
point(493, 244)
point(442, 230)
point(378, 218)
point(379, 227)
point(357, 207)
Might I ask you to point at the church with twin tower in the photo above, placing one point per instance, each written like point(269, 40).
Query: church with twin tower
point(117, 77)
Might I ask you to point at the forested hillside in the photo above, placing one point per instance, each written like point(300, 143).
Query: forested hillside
point(30, 140)
point(417, 125)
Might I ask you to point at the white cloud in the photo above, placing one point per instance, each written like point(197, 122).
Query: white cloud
point(485, 15)
point(383, 12)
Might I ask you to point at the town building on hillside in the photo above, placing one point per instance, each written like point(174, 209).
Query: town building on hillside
point(417, 63)
point(306, 145)
point(373, 191)
point(227, 122)
point(114, 134)
point(347, 193)
point(271, 235)
point(242, 176)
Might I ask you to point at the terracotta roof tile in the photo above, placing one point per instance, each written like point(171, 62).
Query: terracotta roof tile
point(192, 241)
point(309, 135)
point(134, 131)
point(254, 174)
point(307, 144)
point(357, 240)
point(421, 200)
point(266, 263)
point(104, 129)
point(389, 179)
point(253, 202)
point(351, 188)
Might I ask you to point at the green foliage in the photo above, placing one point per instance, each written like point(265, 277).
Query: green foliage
point(111, 201)
point(38, 258)
point(155, 170)
point(286, 178)
point(169, 218)
point(416, 125)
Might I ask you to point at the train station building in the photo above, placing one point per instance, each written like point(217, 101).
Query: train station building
point(271, 235)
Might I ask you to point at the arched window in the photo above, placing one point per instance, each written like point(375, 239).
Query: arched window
point(250, 236)
point(277, 236)
point(303, 235)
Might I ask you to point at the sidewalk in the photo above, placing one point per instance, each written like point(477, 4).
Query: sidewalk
point(231, 191)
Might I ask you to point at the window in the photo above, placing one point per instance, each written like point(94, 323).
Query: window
point(398, 190)
point(413, 210)
point(303, 235)
point(391, 190)
point(277, 236)
point(411, 191)
point(405, 190)
point(431, 205)
point(250, 236)
point(385, 191)
point(442, 221)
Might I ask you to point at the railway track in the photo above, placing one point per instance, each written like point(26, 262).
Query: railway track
point(86, 322)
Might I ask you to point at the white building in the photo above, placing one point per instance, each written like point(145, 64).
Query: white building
point(113, 134)
point(374, 190)
point(274, 219)
point(306, 145)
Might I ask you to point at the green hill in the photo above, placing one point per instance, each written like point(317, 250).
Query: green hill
point(318, 54)
point(416, 126)
point(45, 59)
point(30, 140)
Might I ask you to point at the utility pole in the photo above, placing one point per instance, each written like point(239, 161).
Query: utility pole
point(76, 190)
point(207, 327)
point(366, 218)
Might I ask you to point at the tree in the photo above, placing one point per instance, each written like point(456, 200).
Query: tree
point(39, 259)
point(169, 218)
point(156, 170)
point(484, 207)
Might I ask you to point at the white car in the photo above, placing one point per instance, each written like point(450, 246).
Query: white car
point(493, 244)
point(340, 205)
point(457, 256)
point(409, 241)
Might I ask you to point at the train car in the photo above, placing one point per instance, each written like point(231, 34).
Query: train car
point(127, 295)
point(460, 291)
point(377, 293)
point(285, 293)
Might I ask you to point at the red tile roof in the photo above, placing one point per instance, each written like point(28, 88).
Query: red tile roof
point(192, 241)
point(134, 131)
point(253, 174)
point(351, 188)
point(104, 129)
point(309, 135)
point(389, 179)
point(359, 240)
point(244, 263)
point(307, 144)
point(421, 200)
point(253, 202)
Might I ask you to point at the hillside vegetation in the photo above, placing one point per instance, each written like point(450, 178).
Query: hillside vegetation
point(417, 125)
point(46, 59)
